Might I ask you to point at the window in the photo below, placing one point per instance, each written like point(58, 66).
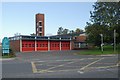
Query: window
point(40, 23)
point(66, 45)
point(29, 45)
point(75, 38)
point(25, 45)
point(22, 45)
point(52, 45)
point(37, 45)
point(61, 45)
point(40, 34)
point(40, 29)
point(76, 45)
point(55, 45)
point(40, 45)
point(46, 45)
point(33, 45)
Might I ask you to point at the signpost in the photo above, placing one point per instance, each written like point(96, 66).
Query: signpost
point(5, 46)
point(114, 41)
point(101, 42)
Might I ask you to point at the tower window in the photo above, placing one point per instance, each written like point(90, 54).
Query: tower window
point(40, 29)
point(40, 34)
point(40, 23)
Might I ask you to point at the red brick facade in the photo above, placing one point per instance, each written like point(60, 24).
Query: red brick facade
point(40, 30)
point(80, 38)
point(15, 45)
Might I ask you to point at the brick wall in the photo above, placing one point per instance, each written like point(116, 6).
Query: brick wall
point(80, 38)
point(40, 17)
point(15, 45)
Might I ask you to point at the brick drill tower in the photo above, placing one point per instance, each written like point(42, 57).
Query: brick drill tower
point(40, 24)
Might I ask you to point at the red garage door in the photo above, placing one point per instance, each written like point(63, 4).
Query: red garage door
point(28, 45)
point(65, 45)
point(42, 45)
point(54, 45)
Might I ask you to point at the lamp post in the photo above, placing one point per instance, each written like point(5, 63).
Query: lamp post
point(101, 42)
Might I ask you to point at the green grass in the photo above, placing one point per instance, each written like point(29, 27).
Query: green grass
point(8, 56)
point(97, 51)
point(11, 54)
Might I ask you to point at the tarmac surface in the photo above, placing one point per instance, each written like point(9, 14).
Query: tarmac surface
point(60, 64)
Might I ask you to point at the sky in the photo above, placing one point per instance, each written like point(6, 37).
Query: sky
point(19, 17)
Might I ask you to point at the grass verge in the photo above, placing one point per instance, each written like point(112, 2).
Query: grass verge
point(8, 56)
point(97, 51)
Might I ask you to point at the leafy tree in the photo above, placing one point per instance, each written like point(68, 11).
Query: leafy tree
point(71, 32)
point(60, 31)
point(78, 30)
point(33, 34)
point(65, 31)
point(94, 32)
point(104, 19)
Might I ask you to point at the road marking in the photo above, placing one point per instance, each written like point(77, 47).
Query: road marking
point(68, 60)
point(34, 69)
point(47, 70)
point(43, 71)
point(81, 70)
point(91, 64)
point(103, 67)
point(108, 55)
point(39, 61)
point(75, 54)
point(38, 64)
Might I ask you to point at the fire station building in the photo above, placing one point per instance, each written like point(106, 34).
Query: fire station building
point(39, 42)
point(24, 43)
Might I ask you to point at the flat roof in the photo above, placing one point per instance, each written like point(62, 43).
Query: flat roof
point(33, 37)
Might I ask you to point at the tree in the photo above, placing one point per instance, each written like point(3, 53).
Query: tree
point(60, 31)
point(94, 31)
point(103, 20)
point(33, 34)
point(65, 31)
point(78, 30)
point(71, 31)
point(17, 34)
